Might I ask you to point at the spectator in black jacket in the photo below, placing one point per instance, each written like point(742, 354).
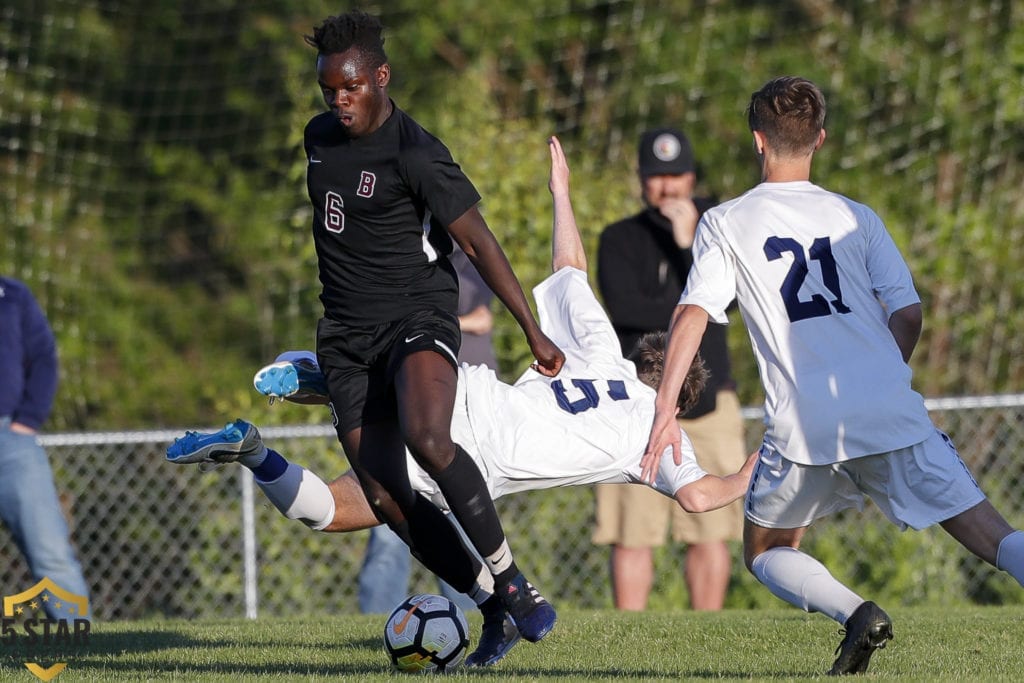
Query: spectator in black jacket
point(643, 261)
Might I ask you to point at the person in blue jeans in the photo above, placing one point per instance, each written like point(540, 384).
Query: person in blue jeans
point(29, 505)
point(387, 564)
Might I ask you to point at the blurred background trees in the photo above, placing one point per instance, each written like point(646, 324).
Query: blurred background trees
point(152, 186)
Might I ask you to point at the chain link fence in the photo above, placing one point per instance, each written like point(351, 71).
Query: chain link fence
point(163, 540)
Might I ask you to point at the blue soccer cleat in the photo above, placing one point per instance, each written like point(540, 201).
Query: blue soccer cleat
point(294, 376)
point(498, 637)
point(534, 616)
point(237, 439)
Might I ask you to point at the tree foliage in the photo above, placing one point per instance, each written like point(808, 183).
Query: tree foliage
point(153, 182)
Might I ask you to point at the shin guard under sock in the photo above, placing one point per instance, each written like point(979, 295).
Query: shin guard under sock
point(435, 542)
point(466, 492)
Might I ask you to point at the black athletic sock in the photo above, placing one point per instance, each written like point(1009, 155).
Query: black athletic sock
point(434, 541)
point(493, 609)
point(466, 492)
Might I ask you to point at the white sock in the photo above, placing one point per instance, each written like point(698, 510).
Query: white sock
point(801, 580)
point(500, 559)
point(484, 586)
point(1010, 555)
point(300, 494)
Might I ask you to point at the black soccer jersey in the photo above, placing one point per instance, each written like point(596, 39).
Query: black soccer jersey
point(380, 204)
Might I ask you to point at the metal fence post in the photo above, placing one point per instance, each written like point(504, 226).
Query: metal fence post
point(249, 568)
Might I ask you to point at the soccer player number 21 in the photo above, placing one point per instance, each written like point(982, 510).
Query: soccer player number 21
point(821, 251)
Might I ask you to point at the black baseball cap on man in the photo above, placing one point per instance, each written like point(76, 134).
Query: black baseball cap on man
point(665, 151)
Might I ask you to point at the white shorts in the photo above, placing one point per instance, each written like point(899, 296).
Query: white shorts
point(914, 487)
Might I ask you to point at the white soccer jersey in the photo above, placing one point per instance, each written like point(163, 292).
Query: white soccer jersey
point(816, 276)
point(588, 425)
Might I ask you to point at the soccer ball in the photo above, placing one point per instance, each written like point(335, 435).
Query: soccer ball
point(426, 633)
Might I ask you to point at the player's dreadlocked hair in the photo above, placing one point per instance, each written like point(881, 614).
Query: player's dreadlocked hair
point(790, 111)
point(649, 357)
point(354, 29)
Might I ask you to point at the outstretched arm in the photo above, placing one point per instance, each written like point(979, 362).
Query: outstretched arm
point(476, 239)
point(684, 335)
point(566, 245)
point(711, 492)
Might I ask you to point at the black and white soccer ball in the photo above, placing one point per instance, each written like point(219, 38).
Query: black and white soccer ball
point(426, 633)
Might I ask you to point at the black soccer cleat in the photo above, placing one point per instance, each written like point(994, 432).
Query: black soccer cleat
point(534, 616)
point(868, 629)
point(498, 637)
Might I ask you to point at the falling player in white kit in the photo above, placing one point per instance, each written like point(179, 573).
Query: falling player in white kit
point(833, 318)
point(587, 425)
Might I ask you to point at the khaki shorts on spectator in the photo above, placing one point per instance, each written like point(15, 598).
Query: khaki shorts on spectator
point(636, 516)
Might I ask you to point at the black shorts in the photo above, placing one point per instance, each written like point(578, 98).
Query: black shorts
point(359, 362)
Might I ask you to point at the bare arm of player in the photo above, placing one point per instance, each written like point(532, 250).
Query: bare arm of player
point(905, 325)
point(476, 239)
point(351, 510)
point(711, 492)
point(566, 245)
point(684, 335)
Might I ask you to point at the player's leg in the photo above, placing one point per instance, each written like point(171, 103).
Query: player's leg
point(783, 499)
point(294, 376)
point(423, 526)
point(352, 511)
point(773, 557)
point(446, 589)
point(356, 362)
point(987, 534)
point(358, 365)
point(942, 488)
point(499, 633)
point(425, 384)
point(929, 483)
point(377, 455)
point(295, 491)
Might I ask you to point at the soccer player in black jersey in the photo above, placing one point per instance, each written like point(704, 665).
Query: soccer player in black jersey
point(387, 200)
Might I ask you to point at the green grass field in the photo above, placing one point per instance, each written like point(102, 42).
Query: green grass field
point(931, 644)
